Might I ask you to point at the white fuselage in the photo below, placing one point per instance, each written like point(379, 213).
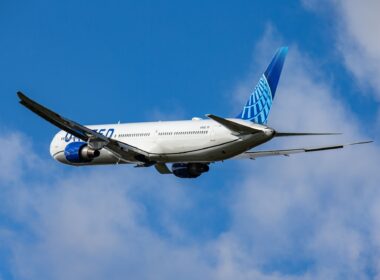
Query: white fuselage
point(196, 140)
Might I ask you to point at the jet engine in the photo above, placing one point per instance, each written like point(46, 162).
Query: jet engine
point(189, 170)
point(80, 152)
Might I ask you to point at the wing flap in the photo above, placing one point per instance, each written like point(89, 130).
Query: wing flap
point(162, 168)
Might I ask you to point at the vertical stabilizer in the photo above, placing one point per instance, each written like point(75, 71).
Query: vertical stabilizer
point(259, 103)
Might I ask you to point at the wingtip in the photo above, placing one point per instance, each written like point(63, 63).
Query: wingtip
point(362, 142)
point(21, 95)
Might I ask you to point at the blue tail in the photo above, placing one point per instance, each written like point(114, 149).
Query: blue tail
point(259, 103)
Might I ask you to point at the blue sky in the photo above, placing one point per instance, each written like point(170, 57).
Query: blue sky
point(308, 216)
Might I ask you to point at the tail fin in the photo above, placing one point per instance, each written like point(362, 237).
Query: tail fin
point(259, 103)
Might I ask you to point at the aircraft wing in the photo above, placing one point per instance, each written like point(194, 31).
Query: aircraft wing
point(258, 154)
point(95, 140)
point(236, 128)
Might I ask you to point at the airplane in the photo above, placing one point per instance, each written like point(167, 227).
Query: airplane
point(190, 146)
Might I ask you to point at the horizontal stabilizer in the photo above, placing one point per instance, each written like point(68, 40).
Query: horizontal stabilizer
point(235, 127)
point(283, 134)
point(258, 154)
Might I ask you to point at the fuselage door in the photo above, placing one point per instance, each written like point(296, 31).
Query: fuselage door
point(211, 131)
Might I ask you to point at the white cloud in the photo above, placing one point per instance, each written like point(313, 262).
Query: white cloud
point(359, 41)
point(10, 163)
point(174, 113)
point(356, 33)
point(92, 224)
point(312, 216)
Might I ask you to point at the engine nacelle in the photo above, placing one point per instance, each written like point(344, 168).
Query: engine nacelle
point(79, 152)
point(189, 170)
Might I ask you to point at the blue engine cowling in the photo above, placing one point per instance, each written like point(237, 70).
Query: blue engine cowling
point(80, 152)
point(189, 170)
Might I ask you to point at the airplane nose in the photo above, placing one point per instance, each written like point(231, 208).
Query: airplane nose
point(52, 148)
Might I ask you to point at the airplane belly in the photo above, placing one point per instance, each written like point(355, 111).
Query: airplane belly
point(207, 154)
point(214, 151)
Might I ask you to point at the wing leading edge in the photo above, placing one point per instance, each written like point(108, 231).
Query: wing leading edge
point(258, 154)
point(122, 151)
